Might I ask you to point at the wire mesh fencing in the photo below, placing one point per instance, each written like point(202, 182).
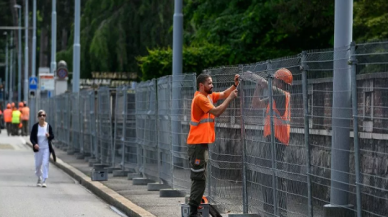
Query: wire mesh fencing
point(119, 116)
point(164, 91)
point(85, 131)
point(183, 89)
point(105, 136)
point(146, 129)
point(372, 112)
point(286, 146)
point(75, 123)
point(130, 158)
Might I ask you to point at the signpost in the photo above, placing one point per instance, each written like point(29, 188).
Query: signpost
point(46, 82)
point(33, 83)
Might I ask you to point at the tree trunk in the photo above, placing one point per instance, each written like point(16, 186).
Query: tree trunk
point(43, 48)
point(64, 39)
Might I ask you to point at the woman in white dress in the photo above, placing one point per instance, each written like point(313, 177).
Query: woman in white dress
point(41, 137)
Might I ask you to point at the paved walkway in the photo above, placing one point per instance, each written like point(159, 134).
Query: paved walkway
point(19, 195)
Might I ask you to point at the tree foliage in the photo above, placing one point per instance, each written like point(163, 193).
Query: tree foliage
point(134, 35)
point(159, 61)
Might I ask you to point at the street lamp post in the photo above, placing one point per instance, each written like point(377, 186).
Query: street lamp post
point(76, 47)
point(33, 62)
point(53, 37)
point(6, 66)
point(25, 89)
point(19, 53)
point(10, 94)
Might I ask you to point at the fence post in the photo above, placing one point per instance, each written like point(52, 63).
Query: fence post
point(273, 150)
point(125, 90)
point(353, 63)
point(304, 68)
point(244, 158)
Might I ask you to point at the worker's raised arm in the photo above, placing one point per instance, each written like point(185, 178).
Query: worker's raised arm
point(224, 94)
point(217, 111)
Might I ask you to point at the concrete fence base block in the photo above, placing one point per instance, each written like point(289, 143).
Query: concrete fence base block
point(120, 173)
point(330, 210)
point(141, 181)
point(92, 162)
point(111, 169)
point(131, 176)
point(86, 158)
point(100, 166)
point(171, 193)
point(70, 151)
point(156, 186)
point(79, 156)
point(243, 215)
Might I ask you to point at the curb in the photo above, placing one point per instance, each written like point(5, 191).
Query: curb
point(108, 195)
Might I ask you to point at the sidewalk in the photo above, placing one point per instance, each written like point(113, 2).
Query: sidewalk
point(133, 200)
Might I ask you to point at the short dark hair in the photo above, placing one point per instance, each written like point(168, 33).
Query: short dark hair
point(201, 79)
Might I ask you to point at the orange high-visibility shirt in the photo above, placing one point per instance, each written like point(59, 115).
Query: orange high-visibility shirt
point(281, 123)
point(202, 122)
point(25, 113)
point(8, 116)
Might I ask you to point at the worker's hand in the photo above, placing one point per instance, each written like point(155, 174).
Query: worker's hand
point(47, 135)
point(36, 147)
point(233, 94)
point(236, 79)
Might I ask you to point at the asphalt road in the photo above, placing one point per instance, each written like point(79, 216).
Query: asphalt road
point(19, 195)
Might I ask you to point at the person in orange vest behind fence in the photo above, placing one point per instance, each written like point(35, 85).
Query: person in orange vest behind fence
point(20, 106)
point(1, 115)
point(16, 118)
point(25, 118)
point(281, 99)
point(8, 119)
point(202, 132)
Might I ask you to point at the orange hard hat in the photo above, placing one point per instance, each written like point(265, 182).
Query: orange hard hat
point(13, 104)
point(21, 104)
point(8, 105)
point(284, 75)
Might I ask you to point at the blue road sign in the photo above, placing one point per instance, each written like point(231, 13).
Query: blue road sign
point(33, 83)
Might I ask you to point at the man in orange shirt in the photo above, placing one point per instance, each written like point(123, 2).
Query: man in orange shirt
point(8, 118)
point(202, 132)
point(25, 118)
point(281, 99)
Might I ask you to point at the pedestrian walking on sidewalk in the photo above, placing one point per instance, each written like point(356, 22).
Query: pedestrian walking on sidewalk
point(202, 132)
point(41, 138)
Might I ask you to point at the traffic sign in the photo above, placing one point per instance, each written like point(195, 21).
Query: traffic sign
point(33, 83)
point(62, 73)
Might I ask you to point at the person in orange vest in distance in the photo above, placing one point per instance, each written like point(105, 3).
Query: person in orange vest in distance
point(25, 118)
point(20, 106)
point(202, 132)
point(1, 114)
point(8, 119)
point(281, 99)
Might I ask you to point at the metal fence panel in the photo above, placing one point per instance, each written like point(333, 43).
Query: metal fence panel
point(146, 128)
point(75, 122)
point(129, 133)
point(105, 125)
point(372, 108)
point(185, 85)
point(164, 89)
point(119, 116)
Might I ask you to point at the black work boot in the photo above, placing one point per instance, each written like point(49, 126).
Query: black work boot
point(193, 211)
